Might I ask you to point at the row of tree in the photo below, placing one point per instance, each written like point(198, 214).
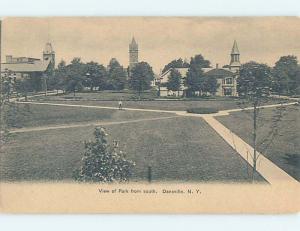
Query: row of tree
point(77, 75)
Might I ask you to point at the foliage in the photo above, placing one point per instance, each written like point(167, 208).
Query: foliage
point(202, 110)
point(174, 81)
point(59, 77)
point(254, 81)
point(210, 84)
point(116, 75)
point(96, 76)
point(195, 75)
point(23, 87)
point(176, 63)
point(141, 77)
point(286, 75)
point(75, 74)
point(103, 163)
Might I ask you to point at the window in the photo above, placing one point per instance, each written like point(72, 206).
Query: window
point(228, 81)
point(227, 91)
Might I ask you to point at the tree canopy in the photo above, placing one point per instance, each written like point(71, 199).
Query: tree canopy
point(286, 74)
point(176, 63)
point(141, 77)
point(195, 75)
point(254, 81)
point(174, 81)
point(116, 75)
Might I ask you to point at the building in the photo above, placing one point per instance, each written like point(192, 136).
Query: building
point(133, 53)
point(21, 67)
point(226, 76)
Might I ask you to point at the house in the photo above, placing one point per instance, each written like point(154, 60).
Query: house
point(21, 67)
point(162, 80)
point(226, 77)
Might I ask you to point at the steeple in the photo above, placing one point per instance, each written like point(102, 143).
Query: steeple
point(49, 54)
point(235, 49)
point(133, 53)
point(133, 45)
point(235, 57)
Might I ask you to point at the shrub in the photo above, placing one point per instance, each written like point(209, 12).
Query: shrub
point(102, 162)
point(203, 110)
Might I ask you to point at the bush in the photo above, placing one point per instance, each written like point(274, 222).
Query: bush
point(102, 162)
point(202, 110)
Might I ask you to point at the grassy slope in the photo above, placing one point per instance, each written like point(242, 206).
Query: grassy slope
point(181, 149)
point(285, 149)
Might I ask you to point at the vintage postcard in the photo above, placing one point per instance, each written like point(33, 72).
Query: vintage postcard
point(150, 115)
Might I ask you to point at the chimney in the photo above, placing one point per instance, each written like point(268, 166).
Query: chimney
point(217, 66)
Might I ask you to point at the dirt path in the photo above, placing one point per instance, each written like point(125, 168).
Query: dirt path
point(86, 124)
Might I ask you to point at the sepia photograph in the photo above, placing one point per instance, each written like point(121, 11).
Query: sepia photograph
point(174, 109)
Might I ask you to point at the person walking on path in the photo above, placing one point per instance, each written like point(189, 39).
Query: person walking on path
point(120, 105)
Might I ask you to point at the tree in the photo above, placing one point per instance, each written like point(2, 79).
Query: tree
point(96, 75)
point(75, 75)
point(195, 75)
point(23, 87)
point(286, 78)
point(102, 162)
point(176, 63)
point(116, 75)
point(141, 77)
point(254, 84)
point(210, 84)
point(174, 81)
point(58, 79)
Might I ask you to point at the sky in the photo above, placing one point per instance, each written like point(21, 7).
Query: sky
point(160, 39)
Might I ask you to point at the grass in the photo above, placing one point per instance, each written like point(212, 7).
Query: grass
point(284, 151)
point(29, 115)
point(179, 149)
point(105, 95)
point(160, 105)
point(105, 99)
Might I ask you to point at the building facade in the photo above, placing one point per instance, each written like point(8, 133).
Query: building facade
point(21, 67)
point(226, 77)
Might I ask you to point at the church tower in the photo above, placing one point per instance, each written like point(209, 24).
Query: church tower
point(235, 58)
point(49, 54)
point(133, 53)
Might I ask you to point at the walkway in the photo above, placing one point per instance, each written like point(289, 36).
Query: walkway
point(85, 124)
point(271, 172)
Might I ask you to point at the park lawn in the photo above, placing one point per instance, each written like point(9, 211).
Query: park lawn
point(169, 105)
point(30, 115)
point(219, 103)
point(284, 151)
point(179, 149)
point(104, 95)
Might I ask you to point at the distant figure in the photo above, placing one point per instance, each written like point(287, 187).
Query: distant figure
point(120, 105)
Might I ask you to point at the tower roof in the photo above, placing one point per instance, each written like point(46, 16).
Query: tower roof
point(48, 48)
point(133, 45)
point(235, 49)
